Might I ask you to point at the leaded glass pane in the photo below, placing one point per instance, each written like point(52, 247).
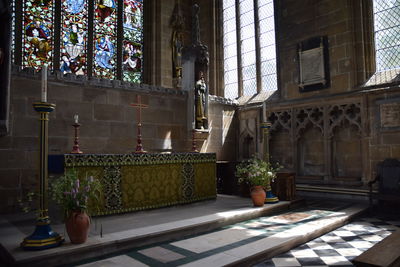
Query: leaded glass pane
point(231, 90)
point(37, 33)
point(267, 44)
point(231, 76)
point(268, 38)
point(133, 41)
point(268, 52)
point(267, 25)
point(249, 58)
point(230, 63)
point(230, 50)
point(228, 3)
point(249, 87)
point(246, 6)
point(265, 11)
point(268, 67)
point(230, 13)
point(230, 38)
point(247, 19)
point(105, 30)
point(387, 34)
point(249, 72)
point(230, 25)
point(269, 82)
point(247, 44)
point(74, 36)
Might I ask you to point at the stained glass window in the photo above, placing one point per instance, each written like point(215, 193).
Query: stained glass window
point(74, 36)
point(133, 41)
point(37, 33)
point(89, 35)
point(105, 36)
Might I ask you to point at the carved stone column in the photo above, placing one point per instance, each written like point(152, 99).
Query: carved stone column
point(5, 64)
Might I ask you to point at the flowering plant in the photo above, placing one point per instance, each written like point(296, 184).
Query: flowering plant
point(74, 193)
point(255, 172)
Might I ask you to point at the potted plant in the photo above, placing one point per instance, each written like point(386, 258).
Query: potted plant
point(74, 194)
point(258, 175)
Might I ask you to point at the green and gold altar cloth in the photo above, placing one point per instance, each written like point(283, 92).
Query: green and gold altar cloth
point(133, 182)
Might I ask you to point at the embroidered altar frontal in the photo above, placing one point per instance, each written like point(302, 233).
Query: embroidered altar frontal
point(133, 182)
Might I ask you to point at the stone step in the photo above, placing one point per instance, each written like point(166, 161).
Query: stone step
point(128, 234)
point(241, 244)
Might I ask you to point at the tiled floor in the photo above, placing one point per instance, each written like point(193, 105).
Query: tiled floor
point(338, 247)
point(239, 240)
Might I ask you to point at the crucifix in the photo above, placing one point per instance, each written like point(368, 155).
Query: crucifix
point(139, 105)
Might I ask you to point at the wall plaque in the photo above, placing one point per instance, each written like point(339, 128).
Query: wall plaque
point(313, 64)
point(390, 115)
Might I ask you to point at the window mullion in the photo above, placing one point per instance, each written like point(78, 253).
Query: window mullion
point(257, 46)
point(239, 50)
point(120, 38)
point(57, 32)
point(90, 51)
point(18, 18)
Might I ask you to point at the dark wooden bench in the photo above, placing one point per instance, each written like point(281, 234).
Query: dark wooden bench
point(388, 177)
point(386, 253)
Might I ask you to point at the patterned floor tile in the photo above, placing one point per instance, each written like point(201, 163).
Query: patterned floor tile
point(284, 262)
point(335, 260)
point(312, 261)
point(304, 253)
point(338, 247)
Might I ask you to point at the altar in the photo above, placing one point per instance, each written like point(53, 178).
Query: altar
point(133, 182)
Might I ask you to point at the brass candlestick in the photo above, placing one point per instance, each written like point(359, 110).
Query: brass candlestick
point(265, 126)
point(75, 148)
point(43, 237)
point(139, 105)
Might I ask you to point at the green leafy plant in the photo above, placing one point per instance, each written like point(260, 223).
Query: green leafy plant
point(74, 194)
point(256, 172)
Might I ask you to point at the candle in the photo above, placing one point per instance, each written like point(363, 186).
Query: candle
point(44, 83)
point(76, 117)
point(264, 113)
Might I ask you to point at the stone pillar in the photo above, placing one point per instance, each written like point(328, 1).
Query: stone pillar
point(5, 64)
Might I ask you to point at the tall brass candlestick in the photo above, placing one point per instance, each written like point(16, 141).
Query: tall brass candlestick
point(43, 237)
point(265, 126)
point(75, 148)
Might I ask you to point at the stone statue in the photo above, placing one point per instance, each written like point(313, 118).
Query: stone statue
point(200, 102)
point(178, 24)
point(177, 45)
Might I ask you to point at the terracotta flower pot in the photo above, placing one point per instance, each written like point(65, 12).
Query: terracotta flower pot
point(77, 226)
point(258, 195)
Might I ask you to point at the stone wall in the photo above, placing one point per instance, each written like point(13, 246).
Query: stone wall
point(298, 21)
point(331, 136)
point(108, 125)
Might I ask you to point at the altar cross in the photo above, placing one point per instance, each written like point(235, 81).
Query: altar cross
point(139, 105)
